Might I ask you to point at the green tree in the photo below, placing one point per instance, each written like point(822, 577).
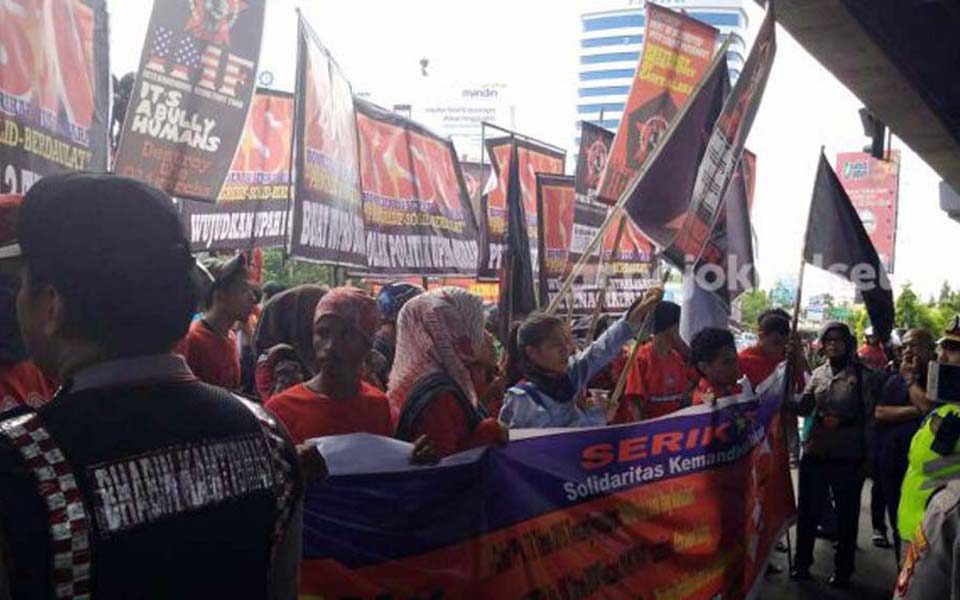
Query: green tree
point(752, 304)
point(912, 313)
point(292, 272)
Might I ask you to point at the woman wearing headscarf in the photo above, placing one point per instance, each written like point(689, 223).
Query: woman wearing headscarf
point(391, 298)
point(336, 400)
point(553, 379)
point(833, 451)
point(287, 319)
point(438, 369)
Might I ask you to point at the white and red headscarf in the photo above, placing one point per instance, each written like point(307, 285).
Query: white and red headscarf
point(437, 332)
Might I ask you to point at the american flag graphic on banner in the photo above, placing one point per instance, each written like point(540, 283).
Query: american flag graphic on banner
point(160, 49)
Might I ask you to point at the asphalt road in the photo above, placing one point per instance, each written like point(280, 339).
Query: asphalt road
point(875, 577)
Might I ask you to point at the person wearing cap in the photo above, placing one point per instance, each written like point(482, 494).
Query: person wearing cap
point(900, 409)
point(21, 382)
point(934, 456)
point(833, 452)
point(337, 400)
point(950, 344)
point(390, 300)
point(211, 347)
point(661, 379)
point(871, 353)
point(136, 480)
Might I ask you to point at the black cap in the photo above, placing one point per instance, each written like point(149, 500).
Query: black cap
point(665, 316)
point(115, 250)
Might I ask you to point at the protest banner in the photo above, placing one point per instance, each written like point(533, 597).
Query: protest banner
point(677, 51)
point(416, 211)
point(251, 211)
point(723, 151)
point(556, 203)
point(873, 186)
point(327, 210)
point(54, 90)
point(534, 158)
point(683, 507)
point(630, 270)
point(191, 97)
point(595, 143)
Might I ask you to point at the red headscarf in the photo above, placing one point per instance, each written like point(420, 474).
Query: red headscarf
point(353, 306)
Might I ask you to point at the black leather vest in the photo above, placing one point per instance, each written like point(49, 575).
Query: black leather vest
point(177, 490)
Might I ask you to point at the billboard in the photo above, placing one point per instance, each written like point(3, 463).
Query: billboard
point(873, 186)
point(458, 111)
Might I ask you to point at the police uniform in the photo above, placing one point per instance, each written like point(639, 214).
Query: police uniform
point(139, 481)
point(931, 569)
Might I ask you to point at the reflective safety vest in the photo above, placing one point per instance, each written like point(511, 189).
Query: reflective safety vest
point(927, 472)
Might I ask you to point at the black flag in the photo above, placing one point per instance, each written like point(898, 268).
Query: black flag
point(837, 241)
point(517, 295)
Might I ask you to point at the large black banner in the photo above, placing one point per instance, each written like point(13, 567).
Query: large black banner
point(54, 90)
point(417, 214)
point(328, 211)
point(192, 95)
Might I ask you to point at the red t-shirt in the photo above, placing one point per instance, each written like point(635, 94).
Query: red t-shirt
point(757, 366)
point(706, 393)
point(658, 385)
point(23, 384)
point(445, 423)
point(873, 356)
point(213, 358)
point(307, 414)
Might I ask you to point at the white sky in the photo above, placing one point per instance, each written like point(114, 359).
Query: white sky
point(532, 46)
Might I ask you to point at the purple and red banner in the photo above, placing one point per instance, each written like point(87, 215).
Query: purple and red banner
point(54, 90)
point(677, 50)
point(416, 210)
point(686, 507)
point(192, 94)
point(534, 158)
point(328, 211)
point(595, 144)
point(251, 211)
point(873, 186)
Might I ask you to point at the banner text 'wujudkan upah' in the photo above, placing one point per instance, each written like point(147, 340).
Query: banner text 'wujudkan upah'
point(190, 101)
point(54, 90)
point(417, 214)
point(328, 211)
point(686, 507)
point(677, 51)
point(534, 158)
point(253, 204)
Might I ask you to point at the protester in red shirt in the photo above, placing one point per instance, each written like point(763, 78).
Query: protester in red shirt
point(760, 361)
point(337, 400)
point(21, 382)
point(278, 370)
point(713, 353)
point(661, 379)
point(287, 320)
point(439, 364)
point(871, 353)
point(211, 347)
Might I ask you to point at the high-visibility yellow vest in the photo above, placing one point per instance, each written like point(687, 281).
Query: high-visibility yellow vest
point(926, 473)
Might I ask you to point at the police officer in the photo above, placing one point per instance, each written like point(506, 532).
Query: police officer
point(833, 452)
point(136, 480)
point(934, 457)
point(931, 569)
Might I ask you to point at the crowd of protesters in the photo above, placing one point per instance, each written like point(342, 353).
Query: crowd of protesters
point(153, 354)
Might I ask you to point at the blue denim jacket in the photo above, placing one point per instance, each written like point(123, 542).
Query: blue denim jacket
point(520, 410)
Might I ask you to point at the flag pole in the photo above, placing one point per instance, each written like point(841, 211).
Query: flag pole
point(788, 375)
point(294, 138)
point(647, 163)
point(605, 280)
